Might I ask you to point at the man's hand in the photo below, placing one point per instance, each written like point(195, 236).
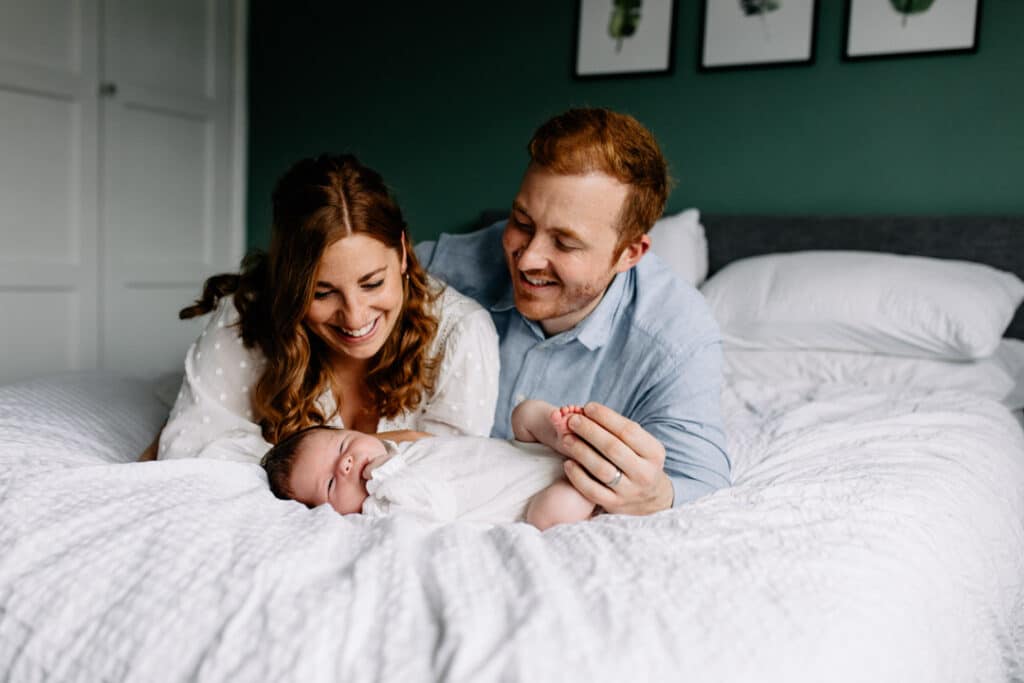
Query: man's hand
point(606, 443)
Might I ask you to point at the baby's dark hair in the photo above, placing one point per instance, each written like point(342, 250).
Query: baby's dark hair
point(279, 462)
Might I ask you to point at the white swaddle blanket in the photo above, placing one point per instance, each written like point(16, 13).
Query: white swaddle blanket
point(461, 477)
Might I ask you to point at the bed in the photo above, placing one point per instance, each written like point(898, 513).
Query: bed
point(874, 531)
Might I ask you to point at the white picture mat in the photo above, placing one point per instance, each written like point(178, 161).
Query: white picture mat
point(646, 50)
point(733, 38)
point(876, 28)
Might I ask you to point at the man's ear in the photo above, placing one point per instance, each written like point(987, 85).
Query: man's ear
point(632, 253)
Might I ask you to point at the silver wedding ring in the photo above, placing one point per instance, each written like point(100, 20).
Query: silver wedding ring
point(614, 480)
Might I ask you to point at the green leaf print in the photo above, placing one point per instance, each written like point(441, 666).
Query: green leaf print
point(760, 9)
point(624, 20)
point(908, 7)
point(752, 7)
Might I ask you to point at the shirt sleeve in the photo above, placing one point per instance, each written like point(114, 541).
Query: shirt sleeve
point(683, 411)
point(466, 389)
point(212, 416)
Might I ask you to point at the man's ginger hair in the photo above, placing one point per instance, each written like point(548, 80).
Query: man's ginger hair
point(581, 141)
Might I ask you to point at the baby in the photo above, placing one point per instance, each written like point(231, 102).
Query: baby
point(444, 478)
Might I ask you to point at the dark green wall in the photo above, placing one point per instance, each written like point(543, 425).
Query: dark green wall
point(441, 98)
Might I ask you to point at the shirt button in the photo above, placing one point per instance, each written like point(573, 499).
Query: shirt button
point(520, 398)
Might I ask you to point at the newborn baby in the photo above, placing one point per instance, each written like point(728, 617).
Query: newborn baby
point(444, 478)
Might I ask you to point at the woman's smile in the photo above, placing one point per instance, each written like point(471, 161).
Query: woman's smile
point(361, 334)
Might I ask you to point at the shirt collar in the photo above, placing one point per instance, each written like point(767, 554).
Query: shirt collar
point(594, 330)
point(505, 302)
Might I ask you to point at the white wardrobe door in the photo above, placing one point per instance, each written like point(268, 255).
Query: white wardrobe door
point(48, 162)
point(166, 159)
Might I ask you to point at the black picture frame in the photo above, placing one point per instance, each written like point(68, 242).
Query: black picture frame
point(720, 21)
point(649, 48)
point(956, 35)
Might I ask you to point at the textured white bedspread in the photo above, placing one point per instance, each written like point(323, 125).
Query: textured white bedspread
point(868, 537)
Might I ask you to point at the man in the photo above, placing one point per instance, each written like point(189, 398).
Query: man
point(584, 318)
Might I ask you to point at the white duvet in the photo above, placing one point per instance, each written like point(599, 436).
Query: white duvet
point(868, 537)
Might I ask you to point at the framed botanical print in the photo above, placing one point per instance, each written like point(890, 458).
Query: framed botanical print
point(744, 33)
point(624, 37)
point(883, 28)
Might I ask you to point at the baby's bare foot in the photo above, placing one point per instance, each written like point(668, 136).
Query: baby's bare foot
point(560, 419)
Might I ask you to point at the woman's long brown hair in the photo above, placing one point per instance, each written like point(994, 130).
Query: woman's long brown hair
point(315, 203)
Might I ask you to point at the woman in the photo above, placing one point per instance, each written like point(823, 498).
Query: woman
point(337, 324)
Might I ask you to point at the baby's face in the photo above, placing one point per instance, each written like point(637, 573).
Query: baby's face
point(329, 468)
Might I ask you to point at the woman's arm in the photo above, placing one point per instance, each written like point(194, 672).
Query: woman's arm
point(212, 415)
point(400, 435)
point(150, 452)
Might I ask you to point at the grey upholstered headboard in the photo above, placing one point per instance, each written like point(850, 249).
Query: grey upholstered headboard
point(994, 240)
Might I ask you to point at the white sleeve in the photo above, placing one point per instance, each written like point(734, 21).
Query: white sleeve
point(212, 415)
point(466, 389)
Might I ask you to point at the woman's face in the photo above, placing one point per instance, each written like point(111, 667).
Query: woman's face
point(358, 296)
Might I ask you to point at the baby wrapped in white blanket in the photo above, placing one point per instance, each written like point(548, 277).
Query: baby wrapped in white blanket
point(442, 478)
point(461, 477)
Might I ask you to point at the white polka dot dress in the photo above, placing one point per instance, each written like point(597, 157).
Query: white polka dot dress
point(213, 416)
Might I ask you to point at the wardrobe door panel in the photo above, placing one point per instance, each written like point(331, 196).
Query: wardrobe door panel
point(167, 124)
point(48, 187)
point(164, 207)
point(163, 334)
point(39, 178)
point(45, 33)
point(41, 330)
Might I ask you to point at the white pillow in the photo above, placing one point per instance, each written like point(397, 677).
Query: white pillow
point(79, 418)
point(864, 301)
point(1010, 355)
point(679, 241)
point(998, 377)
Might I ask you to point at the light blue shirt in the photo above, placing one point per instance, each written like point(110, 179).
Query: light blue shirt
point(650, 350)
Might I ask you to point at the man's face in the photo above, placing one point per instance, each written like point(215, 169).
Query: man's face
point(560, 245)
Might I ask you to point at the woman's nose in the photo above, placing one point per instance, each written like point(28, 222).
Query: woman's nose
point(350, 314)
